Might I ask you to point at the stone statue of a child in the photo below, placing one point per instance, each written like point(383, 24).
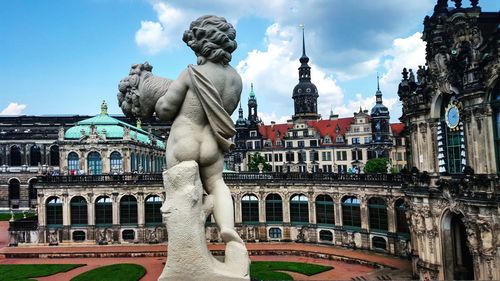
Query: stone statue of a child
point(199, 102)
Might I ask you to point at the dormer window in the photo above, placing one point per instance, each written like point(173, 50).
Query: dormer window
point(253, 133)
point(327, 139)
point(339, 139)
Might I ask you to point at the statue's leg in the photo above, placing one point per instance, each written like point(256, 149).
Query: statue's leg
point(211, 177)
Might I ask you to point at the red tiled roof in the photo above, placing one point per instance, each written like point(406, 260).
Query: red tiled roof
point(324, 128)
point(397, 128)
point(269, 131)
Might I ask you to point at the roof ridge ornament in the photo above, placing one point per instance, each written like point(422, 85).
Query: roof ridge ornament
point(104, 108)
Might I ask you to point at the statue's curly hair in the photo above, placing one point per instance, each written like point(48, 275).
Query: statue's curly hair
point(211, 38)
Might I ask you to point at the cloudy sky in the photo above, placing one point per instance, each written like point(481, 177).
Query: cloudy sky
point(65, 57)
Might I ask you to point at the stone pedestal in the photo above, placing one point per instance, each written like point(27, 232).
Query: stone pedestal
point(185, 211)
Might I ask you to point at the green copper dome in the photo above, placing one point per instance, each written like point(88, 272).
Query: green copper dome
point(114, 129)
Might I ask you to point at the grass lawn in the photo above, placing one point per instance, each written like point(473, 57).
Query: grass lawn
point(118, 272)
point(6, 216)
point(264, 270)
point(23, 272)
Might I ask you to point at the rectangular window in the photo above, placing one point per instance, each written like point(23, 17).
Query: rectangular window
point(400, 156)
point(313, 143)
point(249, 145)
point(290, 156)
point(341, 168)
point(253, 133)
point(341, 155)
point(326, 156)
point(257, 144)
point(300, 144)
point(327, 168)
point(355, 140)
point(289, 144)
point(368, 140)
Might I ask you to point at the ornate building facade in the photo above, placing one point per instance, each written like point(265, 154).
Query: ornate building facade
point(451, 111)
point(35, 145)
point(308, 143)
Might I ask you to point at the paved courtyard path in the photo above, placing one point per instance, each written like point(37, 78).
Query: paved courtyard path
point(154, 265)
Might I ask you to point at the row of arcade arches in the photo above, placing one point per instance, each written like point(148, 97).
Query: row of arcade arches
point(16, 156)
point(103, 211)
point(325, 211)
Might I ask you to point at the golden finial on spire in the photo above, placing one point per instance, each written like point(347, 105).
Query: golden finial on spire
point(138, 125)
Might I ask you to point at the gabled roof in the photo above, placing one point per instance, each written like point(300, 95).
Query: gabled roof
point(323, 127)
point(269, 131)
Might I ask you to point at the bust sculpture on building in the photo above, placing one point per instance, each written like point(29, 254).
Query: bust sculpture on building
point(200, 103)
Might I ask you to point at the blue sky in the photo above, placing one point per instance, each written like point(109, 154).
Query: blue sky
point(65, 57)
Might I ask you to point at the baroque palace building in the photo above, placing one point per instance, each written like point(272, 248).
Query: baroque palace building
point(443, 213)
point(452, 112)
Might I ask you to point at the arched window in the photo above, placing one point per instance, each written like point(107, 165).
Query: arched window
point(495, 104)
point(14, 186)
point(78, 211)
point(325, 235)
point(54, 156)
point(78, 236)
point(94, 163)
point(299, 209)
point(103, 211)
point(324, 210)
point(377, 208)
point(15, 156)
point(451, 144)
point(53, 210)
point(379, 243)
point(351, 214)
point(32, 189)
point(128, 210)
point(274, 233)
point(73, 167)
point(274, 209)
point(401, 222)
point(115, 160)
point(152, 210)
point(249, 209)
point(35, 155)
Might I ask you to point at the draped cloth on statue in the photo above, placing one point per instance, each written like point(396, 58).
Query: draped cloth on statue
point(218, 118)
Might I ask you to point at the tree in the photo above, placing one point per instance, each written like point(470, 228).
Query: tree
point(255, 160)
point(376, 165)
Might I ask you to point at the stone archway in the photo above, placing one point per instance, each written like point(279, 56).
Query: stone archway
point(457, 259)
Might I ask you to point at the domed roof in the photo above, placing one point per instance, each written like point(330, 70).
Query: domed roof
point(112, 127)
point(305, 88)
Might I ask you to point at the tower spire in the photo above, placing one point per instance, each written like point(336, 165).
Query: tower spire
point(378, 84)
point(303, 59)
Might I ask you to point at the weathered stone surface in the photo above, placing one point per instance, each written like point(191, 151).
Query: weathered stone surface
point(185, 211)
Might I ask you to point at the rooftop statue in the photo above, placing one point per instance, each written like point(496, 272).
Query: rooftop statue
point(200, 103)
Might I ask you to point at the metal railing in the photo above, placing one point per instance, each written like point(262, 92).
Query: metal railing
point(229, 177)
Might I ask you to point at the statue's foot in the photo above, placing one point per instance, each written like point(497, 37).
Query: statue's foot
point(229, 234)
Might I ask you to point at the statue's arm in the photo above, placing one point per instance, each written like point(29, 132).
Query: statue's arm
point(169, 104)
point(140, 91)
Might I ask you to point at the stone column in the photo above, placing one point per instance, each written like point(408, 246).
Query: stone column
point(262, 217)
point(312, 208)
point(66, 217)
point(365, 224)
point(115, 208)
point(338, 211)
point(237, 208)
point(141, 220)
point(286, 209)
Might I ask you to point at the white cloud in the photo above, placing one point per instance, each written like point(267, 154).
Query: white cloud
point(166, 32)
point(274, 71)
point(13, 108)
point(405, 52)
point(268, 117)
